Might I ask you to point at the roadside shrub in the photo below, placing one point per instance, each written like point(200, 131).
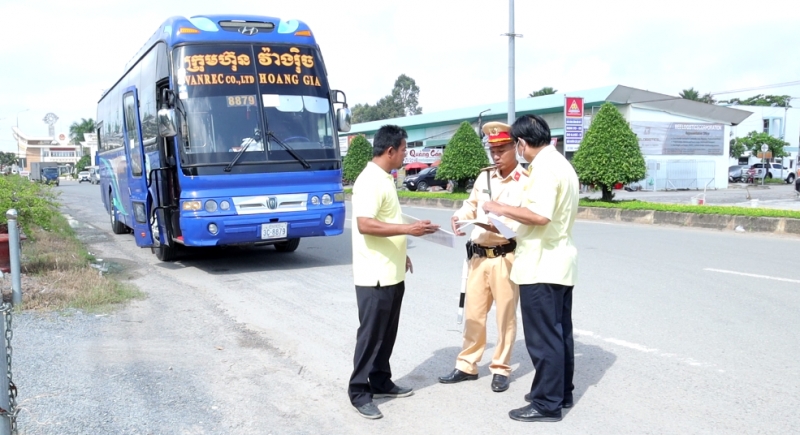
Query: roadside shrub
point(609, 153)
point(463, 158)
point(36, 203)
point(358, 155)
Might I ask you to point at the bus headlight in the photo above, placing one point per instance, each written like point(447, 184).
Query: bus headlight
point(211, 206)
point(328, 220)
point(315, 200)
point(338, 196)
point(224, 205)
point(212, 228)
point(326, 199)
point(192, 205)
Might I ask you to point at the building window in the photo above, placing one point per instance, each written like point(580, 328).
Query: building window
point(772, 126)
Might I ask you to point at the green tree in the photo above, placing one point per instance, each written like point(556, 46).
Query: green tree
point(690, 94)
point(694, 95)
point(405, 95)
point(737, 149)
point(359, 153)
point(762, 100)
point(753, 141)
point(78, 129)
point(402, 101)
point(544, 91)
point(7, 159)
point(463, 158)
point(82, 164)
point(609, 153)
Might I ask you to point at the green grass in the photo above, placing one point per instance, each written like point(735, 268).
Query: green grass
point(58, 274)
point(698, 209)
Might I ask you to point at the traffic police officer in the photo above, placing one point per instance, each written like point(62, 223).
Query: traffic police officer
point(490, 257)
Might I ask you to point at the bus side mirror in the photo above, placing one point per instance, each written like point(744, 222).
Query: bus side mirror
point(166, 123)
point(343, 119)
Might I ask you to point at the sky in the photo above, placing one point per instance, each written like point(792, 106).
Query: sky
point(57, 57)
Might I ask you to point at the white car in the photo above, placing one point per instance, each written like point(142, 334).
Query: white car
point(84, 176)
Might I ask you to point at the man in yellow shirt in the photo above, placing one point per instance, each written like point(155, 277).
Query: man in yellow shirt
point(379, 267)
point(490, 256)
point(545, 268)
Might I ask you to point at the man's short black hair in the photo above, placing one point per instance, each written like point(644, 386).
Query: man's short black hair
point(388, 136)
point(532, 129)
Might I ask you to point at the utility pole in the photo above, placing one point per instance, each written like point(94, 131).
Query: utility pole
point(511, 35)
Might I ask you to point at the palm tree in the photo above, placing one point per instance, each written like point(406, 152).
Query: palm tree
point(690, 94)
point(544, 91)
point(78, 129)
point(708, 99)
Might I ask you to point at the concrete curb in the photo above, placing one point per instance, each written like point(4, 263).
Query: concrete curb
point(651, 217)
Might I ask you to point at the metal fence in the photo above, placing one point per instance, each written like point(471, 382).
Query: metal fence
point(677, 174)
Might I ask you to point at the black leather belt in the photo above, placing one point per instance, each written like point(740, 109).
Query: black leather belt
point(490, 251)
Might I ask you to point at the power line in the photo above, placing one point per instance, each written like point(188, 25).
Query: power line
point(779, 85)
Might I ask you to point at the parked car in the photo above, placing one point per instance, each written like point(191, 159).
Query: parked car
point(735, 174)
point(773, 170)
point(424, 180)
point(84, 176)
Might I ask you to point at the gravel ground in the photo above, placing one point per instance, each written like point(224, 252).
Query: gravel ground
point(171, 364)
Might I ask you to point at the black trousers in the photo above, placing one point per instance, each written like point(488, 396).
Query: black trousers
point(547, 322)
point(379, 315)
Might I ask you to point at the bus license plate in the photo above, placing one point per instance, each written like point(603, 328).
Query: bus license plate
point(274, 231)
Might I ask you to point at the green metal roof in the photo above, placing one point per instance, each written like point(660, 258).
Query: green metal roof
point(497, 111)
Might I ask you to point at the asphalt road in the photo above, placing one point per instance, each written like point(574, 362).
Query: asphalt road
point(678, 331)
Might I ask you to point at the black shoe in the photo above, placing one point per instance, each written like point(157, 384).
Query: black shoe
point(457, 376)
point(566, 404)
point(529, 414)
point(369, 410)
point(394, 392)
point(499, 383)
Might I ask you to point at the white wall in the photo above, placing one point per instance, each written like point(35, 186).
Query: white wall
point(755, 123)
point(659, 163)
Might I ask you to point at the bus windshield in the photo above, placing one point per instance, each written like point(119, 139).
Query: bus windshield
point(237, 96)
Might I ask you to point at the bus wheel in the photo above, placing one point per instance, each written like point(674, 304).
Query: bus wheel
point(163, 252)
point(288, 246)
point(116, 226)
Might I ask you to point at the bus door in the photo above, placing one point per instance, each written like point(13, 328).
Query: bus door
point(137, 175)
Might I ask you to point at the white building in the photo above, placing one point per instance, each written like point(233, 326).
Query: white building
point(782, 123)
point(46, 149)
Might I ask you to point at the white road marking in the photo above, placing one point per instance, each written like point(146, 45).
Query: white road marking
point(643, 349)
point(753, 275)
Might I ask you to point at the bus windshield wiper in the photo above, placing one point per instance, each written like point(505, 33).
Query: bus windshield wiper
point(241, 151)
point(289, 149)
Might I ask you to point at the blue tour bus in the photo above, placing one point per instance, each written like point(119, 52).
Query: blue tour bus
point(221, 131)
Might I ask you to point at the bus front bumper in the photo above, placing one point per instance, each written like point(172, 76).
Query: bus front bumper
point(261, 228)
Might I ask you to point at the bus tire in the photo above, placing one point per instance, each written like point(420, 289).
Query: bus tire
point(116, 226)
point(163, 252)
point(166, 253)
point(287, 246)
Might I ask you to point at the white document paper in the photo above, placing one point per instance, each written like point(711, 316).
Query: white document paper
point(505, 231)
point(440, 237)
point(468, 222)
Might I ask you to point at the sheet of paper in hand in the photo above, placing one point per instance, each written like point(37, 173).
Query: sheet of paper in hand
point(468, 222)
point(440, 237)
point(505, 231)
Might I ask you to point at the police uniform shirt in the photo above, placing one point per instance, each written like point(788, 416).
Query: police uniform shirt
point(506, 190)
